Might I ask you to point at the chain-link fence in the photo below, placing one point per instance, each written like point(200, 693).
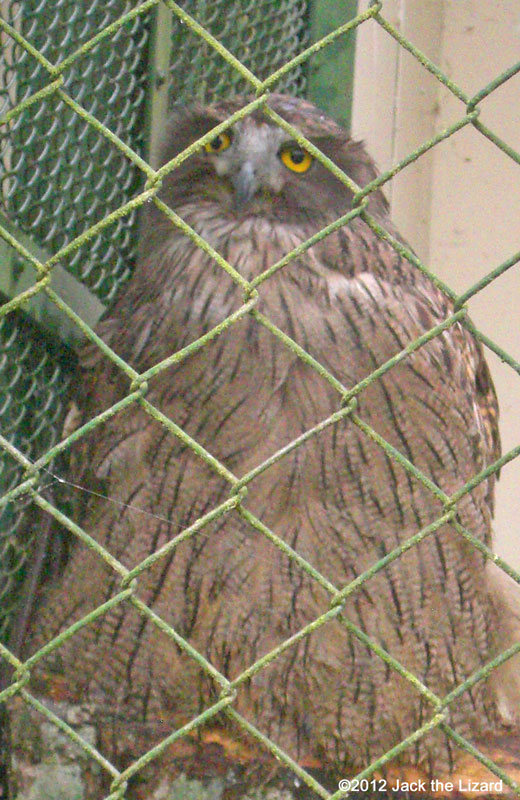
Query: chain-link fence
point(62, 68)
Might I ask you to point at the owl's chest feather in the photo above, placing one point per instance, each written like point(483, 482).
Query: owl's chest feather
point(204, 293)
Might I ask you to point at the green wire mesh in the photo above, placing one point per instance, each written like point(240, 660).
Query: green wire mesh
point(63, 92)
point(59, 175)
point(33, 380)
point(250, 29)
point(57, 178)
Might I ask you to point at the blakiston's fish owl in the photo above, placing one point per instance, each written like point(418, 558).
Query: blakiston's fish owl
point(338, 500)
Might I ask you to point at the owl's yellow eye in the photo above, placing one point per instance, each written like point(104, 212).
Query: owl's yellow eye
point(218, 144)
point(295, 158)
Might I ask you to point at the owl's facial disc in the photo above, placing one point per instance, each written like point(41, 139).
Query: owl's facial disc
point(256, 159)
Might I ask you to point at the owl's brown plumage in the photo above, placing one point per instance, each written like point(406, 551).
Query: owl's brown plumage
point(352, 302)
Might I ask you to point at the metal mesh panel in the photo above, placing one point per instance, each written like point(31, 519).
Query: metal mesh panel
point(33, 380)
point(60, 176)
point(253, 31)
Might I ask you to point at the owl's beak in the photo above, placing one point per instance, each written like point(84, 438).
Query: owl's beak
point(245, 183)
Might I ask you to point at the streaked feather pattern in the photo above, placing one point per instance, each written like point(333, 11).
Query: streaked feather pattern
point(341, 502)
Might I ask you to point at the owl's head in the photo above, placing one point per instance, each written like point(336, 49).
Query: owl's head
point(255, 168)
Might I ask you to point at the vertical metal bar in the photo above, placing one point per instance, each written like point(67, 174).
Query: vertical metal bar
point(159, 64)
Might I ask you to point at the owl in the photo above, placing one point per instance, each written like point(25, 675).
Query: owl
point(236, 552)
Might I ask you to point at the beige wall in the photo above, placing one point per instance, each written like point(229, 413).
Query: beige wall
point(459, 206)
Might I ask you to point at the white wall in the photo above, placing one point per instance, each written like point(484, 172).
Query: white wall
point(459, 206)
